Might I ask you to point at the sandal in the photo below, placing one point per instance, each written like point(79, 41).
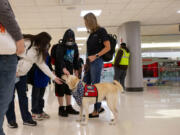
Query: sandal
point(93, 116)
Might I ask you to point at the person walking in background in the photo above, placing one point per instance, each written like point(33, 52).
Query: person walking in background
point(36, 52)
point(11, 45)
point(121, 63)
point(94, 52)
point(66, 60)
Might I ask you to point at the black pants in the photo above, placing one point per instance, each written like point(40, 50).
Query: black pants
point(63, 89)
point(120, 75)
point(37, 100)
point(21, 88)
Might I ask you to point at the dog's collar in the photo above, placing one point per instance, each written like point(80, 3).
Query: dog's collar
point(80, 84)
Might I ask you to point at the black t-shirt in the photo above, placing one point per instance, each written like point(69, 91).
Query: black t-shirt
point(95, 41)
point(66, 57)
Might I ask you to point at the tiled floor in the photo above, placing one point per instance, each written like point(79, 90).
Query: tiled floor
point(156, 111)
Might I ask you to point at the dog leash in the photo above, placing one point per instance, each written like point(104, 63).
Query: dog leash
point(62, 80)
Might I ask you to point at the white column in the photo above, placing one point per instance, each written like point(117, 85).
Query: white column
point(130, 34)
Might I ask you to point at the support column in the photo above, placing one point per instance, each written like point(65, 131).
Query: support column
point(130, 34)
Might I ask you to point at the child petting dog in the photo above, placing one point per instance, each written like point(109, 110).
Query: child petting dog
point(66, 60)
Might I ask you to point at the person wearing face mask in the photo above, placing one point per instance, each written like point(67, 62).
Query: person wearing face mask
point(66, 61)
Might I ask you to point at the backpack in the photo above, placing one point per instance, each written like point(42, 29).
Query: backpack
point(54, 50)
point(53, 54)
point(30, 75)
point(109, 55)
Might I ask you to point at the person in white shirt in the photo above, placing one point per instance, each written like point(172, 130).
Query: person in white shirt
point(35, 52)
point(35, 47)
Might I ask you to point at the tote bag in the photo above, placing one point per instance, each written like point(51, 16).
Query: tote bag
point(7, 43)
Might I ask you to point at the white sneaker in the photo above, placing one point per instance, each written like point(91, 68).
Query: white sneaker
point(45, 115)
point(37, 117)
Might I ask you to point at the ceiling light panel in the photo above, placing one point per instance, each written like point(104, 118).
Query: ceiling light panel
point(81, 29)
point(96, 12)
point(159, 45)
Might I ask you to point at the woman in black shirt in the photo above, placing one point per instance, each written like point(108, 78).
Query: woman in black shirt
point(97, 45)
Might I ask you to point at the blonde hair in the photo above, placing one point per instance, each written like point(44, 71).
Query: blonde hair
point(91, 22)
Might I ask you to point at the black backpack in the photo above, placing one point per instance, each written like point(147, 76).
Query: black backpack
point(53, 51)
point(109, 55)
point(30, 75)
point(53, 54)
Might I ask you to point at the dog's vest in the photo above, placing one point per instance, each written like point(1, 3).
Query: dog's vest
point(87, 91)
point(90, 91)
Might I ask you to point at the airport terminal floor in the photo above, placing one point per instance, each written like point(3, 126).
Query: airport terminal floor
point(155, 111)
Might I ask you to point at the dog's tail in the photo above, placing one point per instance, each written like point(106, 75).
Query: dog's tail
point(120, 88)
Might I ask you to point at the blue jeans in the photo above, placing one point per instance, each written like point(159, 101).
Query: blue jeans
point(21, 88)
point(8, 65)
point(37, 100)
point(93, 76)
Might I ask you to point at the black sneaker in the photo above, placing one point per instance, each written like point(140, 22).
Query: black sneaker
point(70, 110)
point(12, 124)
point(62, 111)
point(93, 116)
point(30, 123)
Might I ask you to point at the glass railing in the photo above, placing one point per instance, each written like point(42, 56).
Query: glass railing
point(162, 75)
point(107, 74)
point(154, 76)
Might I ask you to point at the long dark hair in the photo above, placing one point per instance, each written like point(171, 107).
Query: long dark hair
point(41, 41)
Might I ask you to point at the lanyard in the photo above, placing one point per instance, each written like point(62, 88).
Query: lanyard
point(2, 29)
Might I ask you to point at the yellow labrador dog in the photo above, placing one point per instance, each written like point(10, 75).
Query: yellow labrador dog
point(108, 91)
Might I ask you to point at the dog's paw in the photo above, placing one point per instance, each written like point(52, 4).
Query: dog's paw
point(78, 120)
point(112, 122)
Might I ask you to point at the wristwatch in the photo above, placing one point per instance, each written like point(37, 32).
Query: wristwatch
point(97, 56)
